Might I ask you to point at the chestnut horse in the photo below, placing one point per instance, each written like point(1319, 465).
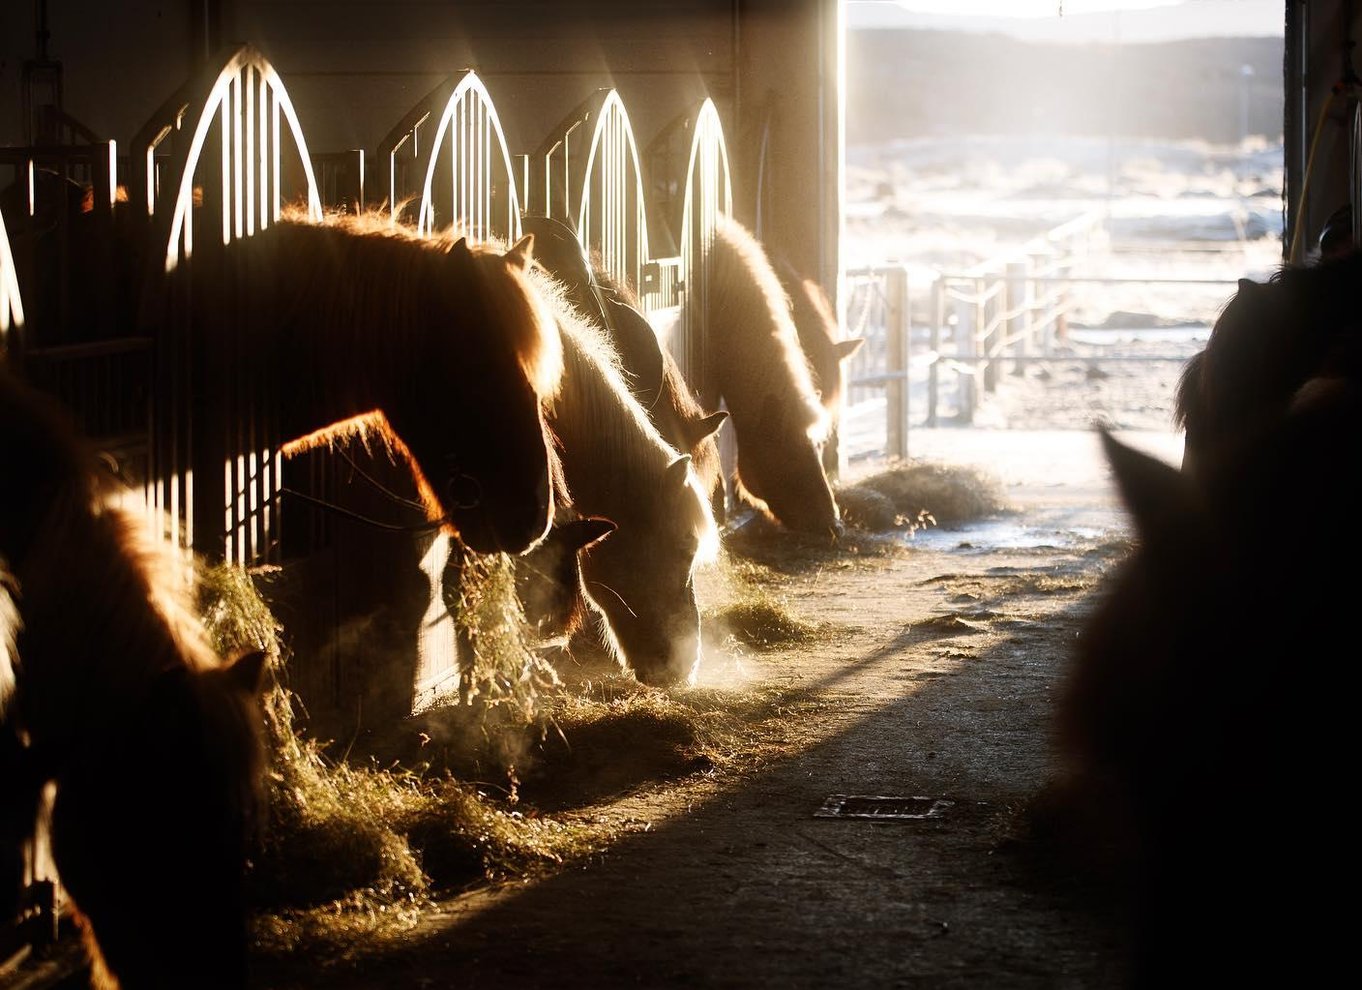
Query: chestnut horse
point(367, 327)
point(1268, 341)
point(1194, 728)
point(754, 363)
point(151, 740)
point(639, 581)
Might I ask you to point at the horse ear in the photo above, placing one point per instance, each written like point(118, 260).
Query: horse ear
point(845, 348)
point(247, 672)
point(520, 253)
point(460, 246)
point(678, 471)
point(584, 533)
point(703, 427)
point(1161, 499)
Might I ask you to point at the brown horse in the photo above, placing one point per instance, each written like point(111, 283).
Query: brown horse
point(618, 467)
point(1191, 707)
point(151, 740)
point(363, 326)
point(755, 365)
point(1268, 341)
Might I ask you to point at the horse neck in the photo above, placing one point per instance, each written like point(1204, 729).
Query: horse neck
point(331, 338)
point(97, 632)
point(611, 453)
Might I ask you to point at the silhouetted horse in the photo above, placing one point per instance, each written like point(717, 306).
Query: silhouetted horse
point(1269, 340)
point(820, 336)
point(1196, 725)
point(445, 351)
point(755, 364)
point(618, 467)
point(152, 741)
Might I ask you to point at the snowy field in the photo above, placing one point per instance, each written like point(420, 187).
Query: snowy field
point(1180, 223)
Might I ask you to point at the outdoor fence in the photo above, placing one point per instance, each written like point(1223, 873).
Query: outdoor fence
point(938, 347)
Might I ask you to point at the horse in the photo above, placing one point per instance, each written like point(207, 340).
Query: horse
point(1191, 702)
point(652, 374)
point(548, 577)
point(370, 329)
point(640, 581)
point(820, 336)
point(1268, 341)
point(152, 741)
point(755, 365)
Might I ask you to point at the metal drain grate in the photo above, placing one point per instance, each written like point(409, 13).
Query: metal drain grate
point(879, 808)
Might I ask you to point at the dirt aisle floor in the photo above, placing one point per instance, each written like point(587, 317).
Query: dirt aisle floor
point(934, 677)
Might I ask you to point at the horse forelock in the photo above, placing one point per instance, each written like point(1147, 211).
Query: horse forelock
point(756, 310)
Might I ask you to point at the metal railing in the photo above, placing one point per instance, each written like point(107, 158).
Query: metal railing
point(1003, 314)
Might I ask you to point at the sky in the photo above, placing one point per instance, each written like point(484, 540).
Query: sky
point(1082, 20)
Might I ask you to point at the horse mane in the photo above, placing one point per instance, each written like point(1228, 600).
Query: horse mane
point(744, 286)
point(1187, 396)
point(386, 278)
point(618, 428)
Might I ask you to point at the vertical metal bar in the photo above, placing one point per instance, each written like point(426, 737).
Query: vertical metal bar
point(274, 154)
point(248, 97)
point(238, 111)
point(896, 344)
point(262, 163)
point(226, 127)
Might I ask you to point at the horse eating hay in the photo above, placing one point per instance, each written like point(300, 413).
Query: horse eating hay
point(640, 580)
point(755, 364)
point(151, 740)
point(356, 324)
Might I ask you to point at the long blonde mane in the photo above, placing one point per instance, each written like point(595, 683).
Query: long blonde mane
point(751, 326)
point(608, 418)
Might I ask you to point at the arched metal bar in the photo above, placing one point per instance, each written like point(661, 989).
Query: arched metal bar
point(709, 194)
point(237, 156)
point(11, 306)
point(480, 197)
point(245, 110)
point(591, 179)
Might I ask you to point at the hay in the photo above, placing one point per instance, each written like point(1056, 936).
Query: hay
point(345, 846)
point(922, 493)
point(762, 621)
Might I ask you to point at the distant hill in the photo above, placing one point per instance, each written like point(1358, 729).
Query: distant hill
point(913, 83)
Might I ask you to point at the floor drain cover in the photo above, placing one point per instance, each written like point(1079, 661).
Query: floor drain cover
point(877, 808)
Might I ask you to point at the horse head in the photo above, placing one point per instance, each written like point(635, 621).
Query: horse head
point(471, 410)
point(643, 578)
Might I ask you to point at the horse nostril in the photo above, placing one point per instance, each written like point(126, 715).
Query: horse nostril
point(463, 491)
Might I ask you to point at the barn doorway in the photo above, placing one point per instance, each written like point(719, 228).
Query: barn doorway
point(1046, 206)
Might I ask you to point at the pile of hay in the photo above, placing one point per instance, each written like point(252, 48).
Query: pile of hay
point(359, 847)
point(915, 494)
